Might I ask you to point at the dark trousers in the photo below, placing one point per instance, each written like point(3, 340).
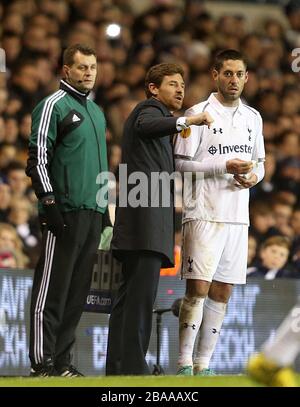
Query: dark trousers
point(130, 322)
point(61, 283)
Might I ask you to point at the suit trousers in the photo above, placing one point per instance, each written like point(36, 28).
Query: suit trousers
point(130, 321)
point(61, 283)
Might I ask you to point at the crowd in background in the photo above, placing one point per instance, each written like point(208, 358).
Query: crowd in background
point(34, 33)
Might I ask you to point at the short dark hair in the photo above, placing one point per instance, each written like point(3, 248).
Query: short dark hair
point(68, 56)
point(226, 54)
point(14, 166)
point(281, 241)
point(157, 73)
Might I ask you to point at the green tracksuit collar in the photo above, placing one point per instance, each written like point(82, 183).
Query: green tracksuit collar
point(74, 92)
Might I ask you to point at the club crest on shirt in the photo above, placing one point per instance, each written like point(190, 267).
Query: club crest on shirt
point(250, 134)
point(185, 133)
point(190, 262)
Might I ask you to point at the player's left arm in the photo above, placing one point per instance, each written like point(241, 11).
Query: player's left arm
point(258, 159)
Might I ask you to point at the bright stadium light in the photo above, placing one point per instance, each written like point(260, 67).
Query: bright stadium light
point(113, 30)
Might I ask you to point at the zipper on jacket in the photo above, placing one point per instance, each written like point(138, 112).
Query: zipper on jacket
point(66, 181)
point(99, 157)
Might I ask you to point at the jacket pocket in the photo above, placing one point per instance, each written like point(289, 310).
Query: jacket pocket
point(66, 182)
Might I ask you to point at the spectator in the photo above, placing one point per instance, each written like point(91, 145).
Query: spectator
point(8, 259)
point(16, 178)
point(252, 248)
point(11, 243)
point(8, 154)
point(274, 253)
point(288, 144)
point(262, 222)
point(5, 198)
point(27, 226)
point(11, 130)
point(282, 214)
point(265, 189)
point(295, 222)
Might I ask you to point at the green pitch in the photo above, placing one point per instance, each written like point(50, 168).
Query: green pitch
point(130, 381)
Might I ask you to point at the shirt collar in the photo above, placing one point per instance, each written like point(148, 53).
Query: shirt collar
point(80, 96)
point(221, 108)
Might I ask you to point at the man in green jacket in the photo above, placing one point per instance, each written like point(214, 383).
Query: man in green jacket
point(67, 151)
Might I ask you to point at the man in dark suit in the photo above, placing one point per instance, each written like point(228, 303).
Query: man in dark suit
point(143, 236)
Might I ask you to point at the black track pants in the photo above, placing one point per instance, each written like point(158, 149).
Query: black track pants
point(61, 284)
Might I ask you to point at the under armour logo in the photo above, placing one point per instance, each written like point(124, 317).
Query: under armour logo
point(218, 130)
point(75, 118)
point(249, 131)
point(212, 150)
point(186, 325)
point(190, 261)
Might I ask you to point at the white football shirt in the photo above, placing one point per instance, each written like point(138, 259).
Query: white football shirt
point(233, 134)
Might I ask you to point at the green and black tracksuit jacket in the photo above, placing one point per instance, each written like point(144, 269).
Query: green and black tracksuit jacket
point(67, 149)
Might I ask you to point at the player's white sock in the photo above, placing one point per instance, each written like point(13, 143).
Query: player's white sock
point(190, 317)
point(213, 316)
point(286, 345)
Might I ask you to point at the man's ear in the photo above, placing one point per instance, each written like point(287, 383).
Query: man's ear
point(215, 74)
point(66, 70)
point(153, 89)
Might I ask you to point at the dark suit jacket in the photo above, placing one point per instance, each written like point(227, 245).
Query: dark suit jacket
point(147, 147)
